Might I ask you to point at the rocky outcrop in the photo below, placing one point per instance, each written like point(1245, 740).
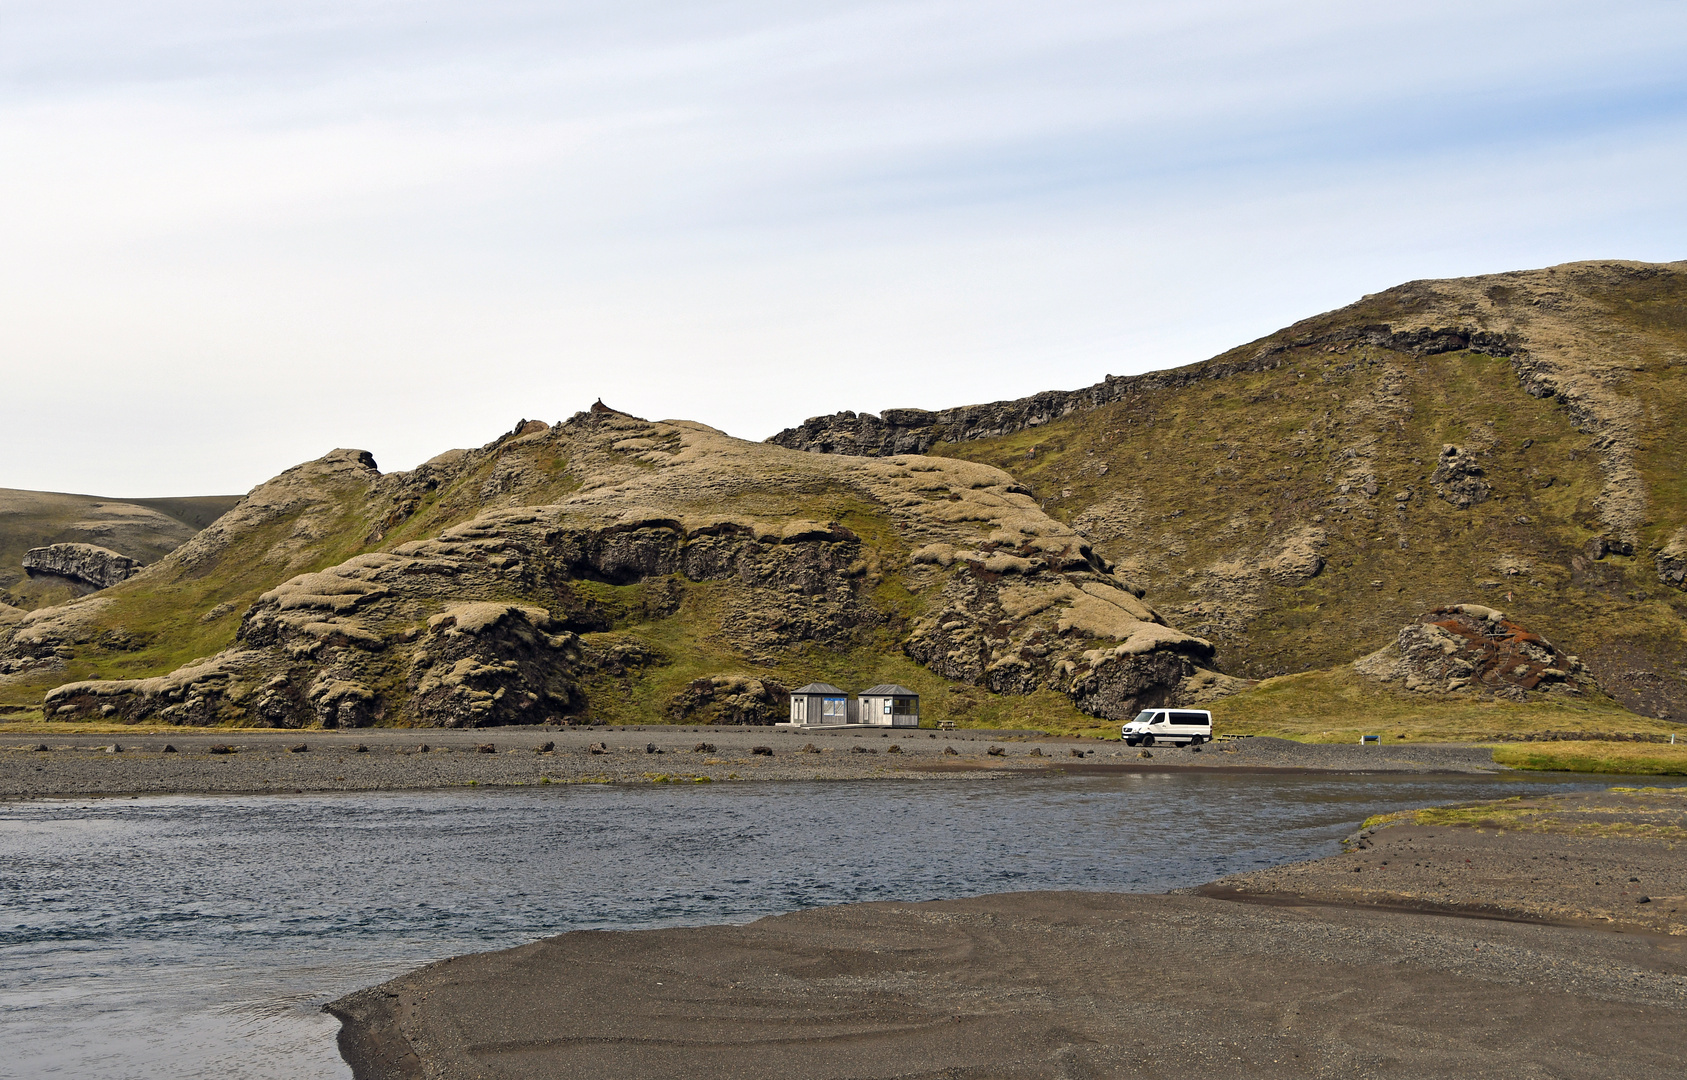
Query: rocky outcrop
point(1016, 625)
point(1672, 561)
point(914, 431)
point(1458, 478)
point(730, 699)
point(90, 565)
point(1474, 650)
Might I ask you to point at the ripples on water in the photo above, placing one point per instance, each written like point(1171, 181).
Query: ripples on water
point(198, 936)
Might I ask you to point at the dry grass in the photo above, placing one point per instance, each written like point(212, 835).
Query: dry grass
point(1630, 759)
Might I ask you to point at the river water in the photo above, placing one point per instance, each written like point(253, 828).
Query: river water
point(198, 936)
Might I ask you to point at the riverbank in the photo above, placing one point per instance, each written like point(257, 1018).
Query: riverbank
point(1310, 975)
point(389, 759)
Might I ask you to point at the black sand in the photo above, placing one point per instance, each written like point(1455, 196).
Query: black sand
point(1080, 985)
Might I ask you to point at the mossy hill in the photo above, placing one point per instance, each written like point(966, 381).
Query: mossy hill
point(609, 568)
point(1515, 440)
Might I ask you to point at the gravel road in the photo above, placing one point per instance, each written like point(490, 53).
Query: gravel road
point(188, 761)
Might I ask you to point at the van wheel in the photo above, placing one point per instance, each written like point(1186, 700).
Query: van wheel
point(1131, 741)
point(1196, 740)
point(1148, 740)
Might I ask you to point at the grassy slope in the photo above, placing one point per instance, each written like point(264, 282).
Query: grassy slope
point(1224, 469)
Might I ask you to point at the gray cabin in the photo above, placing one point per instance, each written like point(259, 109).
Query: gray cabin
point(819, 703)
point(889, 705)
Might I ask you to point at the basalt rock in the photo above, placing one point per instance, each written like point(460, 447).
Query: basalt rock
point(730, 699)
point(1474, 650)
point(1458, 478)
point(85, 563)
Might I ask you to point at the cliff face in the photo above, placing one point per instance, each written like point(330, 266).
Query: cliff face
point(1513, 439)
point(611, 567)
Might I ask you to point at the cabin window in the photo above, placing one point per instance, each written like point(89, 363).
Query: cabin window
point(887, 706)
point(902, 706)
point(834, 707)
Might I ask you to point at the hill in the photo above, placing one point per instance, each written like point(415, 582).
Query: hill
point(612, 568)
point(1514, 439)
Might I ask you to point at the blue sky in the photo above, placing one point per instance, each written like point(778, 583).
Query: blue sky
point(236, 235)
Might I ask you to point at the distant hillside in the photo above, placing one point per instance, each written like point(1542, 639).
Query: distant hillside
point(143, 529)
point(1517, 439)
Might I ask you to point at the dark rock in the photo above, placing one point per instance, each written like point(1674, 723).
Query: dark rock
point(423, 749)
point(220, 748)
point(708, 748)
point(764, 751)
point(1458, 478)
point(545, 748)
point(360, 749)
point(1077, 753)
point(893, 750)
point(486, 748)
point(299, 749)
point(996, 751)
point(1601, 546)
point(810, 748)
point(650, 748)
point(168, 749)
point(951, 750)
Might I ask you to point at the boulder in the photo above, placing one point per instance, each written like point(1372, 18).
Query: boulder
point(85, 563)
point(1472, 649)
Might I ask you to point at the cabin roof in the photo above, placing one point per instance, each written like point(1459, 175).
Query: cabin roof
point(890, 690)
point(820, 688)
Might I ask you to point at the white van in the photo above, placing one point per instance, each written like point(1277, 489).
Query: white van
point(1175, 727)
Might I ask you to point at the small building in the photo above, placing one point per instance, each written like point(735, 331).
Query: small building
point(819, 703)
point(889, 705)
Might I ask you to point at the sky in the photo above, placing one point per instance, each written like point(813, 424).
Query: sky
point(236, 235)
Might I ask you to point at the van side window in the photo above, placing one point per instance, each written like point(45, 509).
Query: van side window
point(1189, 718)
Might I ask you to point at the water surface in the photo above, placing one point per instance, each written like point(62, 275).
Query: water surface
point(198, 936)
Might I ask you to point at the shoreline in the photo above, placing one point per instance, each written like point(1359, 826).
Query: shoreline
point(1530, 960)
point(255, 762)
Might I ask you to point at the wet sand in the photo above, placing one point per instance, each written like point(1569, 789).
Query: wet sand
point(1308, 975)
point(392, 759)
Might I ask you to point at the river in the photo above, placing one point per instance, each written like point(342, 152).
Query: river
point(198, 936)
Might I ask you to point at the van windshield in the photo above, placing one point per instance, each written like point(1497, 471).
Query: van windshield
point(1144, 717)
